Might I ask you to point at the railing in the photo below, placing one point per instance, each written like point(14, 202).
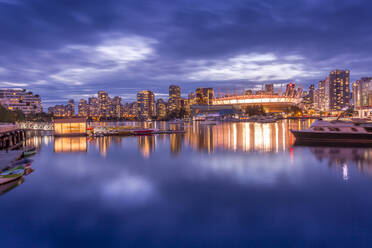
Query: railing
point(46, 126)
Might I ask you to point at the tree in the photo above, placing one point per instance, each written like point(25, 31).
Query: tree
point(254, 110)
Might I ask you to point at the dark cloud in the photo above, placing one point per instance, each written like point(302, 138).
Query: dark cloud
point(63, 48)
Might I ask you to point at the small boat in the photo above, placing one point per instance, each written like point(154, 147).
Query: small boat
point(6, 187)
point(12, 174)
point(334, 132)
point(26, 162)
point(29, 152)
point(143, 131)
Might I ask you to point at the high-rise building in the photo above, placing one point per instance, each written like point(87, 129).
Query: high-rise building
point(322, 95)
point(339, 90)
point(192, 98)
point(174, 101)
point(133, 109)
point(116, 107)
point(70, 108)
point(15, 99)
point(93, 106)
point(83, 108)
point(146, 104)
point(311, 94)
point(161, 109)
point(362, 96)
point(103, 104)
point(204, 96)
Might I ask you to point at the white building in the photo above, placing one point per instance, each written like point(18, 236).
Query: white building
point(17, 99)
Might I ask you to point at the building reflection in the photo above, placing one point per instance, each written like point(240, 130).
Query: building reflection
point(146, 145)
point(343, 158)
point(175, 143)
point(70, 144)
point(243, 136)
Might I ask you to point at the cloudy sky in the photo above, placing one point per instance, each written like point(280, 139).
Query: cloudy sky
point(73, 48)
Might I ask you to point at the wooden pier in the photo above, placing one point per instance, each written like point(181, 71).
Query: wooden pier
point(11, 136)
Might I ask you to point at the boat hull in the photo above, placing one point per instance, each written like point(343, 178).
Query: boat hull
point(332, 138)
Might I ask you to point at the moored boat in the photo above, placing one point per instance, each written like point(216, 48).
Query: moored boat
point(334, 132)
point(12, 174)
point(25, 162)
point(29, 151)
point(143, 131)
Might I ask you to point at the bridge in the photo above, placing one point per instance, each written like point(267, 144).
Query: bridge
point(271, 103)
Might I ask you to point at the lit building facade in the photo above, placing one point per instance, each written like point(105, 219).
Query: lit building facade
point(204, 96)
point(174, 101)
point(70, 127)
point(362, 96)
point(16, 99)
point(161, 109)
point(83, 108)
point(146, 104)
point(339, 89)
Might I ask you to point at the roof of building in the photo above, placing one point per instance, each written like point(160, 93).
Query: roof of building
point(70, 120)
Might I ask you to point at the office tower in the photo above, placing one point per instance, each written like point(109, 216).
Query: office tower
point(145, 100)
point(174, 103)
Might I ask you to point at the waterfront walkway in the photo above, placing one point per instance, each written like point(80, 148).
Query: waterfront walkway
point(7, 157)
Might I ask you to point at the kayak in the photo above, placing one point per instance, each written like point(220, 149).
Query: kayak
point(11, 185)
point(29, 152)
point(12, 174)
point(26, 162)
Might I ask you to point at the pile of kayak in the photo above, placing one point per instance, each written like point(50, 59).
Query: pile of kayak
point(18, 168)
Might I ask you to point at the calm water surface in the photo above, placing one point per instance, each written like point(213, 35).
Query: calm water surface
point(230, 185)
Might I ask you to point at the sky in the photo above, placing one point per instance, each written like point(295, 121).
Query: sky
point(71, 49)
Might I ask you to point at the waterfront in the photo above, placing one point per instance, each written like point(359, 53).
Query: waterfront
point(231, 184)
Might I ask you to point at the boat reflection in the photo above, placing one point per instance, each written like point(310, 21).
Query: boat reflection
point(344, 158)
point(4, 188)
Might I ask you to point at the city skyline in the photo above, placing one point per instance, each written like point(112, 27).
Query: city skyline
point(127, 47)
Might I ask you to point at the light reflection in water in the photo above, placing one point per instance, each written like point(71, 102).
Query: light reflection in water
point(235, 137)
point(70, 144)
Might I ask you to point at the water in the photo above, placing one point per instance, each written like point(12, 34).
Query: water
point(230, 185)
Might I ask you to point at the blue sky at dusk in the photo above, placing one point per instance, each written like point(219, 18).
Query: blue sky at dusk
point(72, 49)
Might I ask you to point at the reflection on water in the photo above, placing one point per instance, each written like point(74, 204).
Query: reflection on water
point(212, 185)
point(4, 188)
point(70, 144)
point(235, 137)
point(344, 157)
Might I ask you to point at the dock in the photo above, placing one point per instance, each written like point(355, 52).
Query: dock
point(7, 157)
